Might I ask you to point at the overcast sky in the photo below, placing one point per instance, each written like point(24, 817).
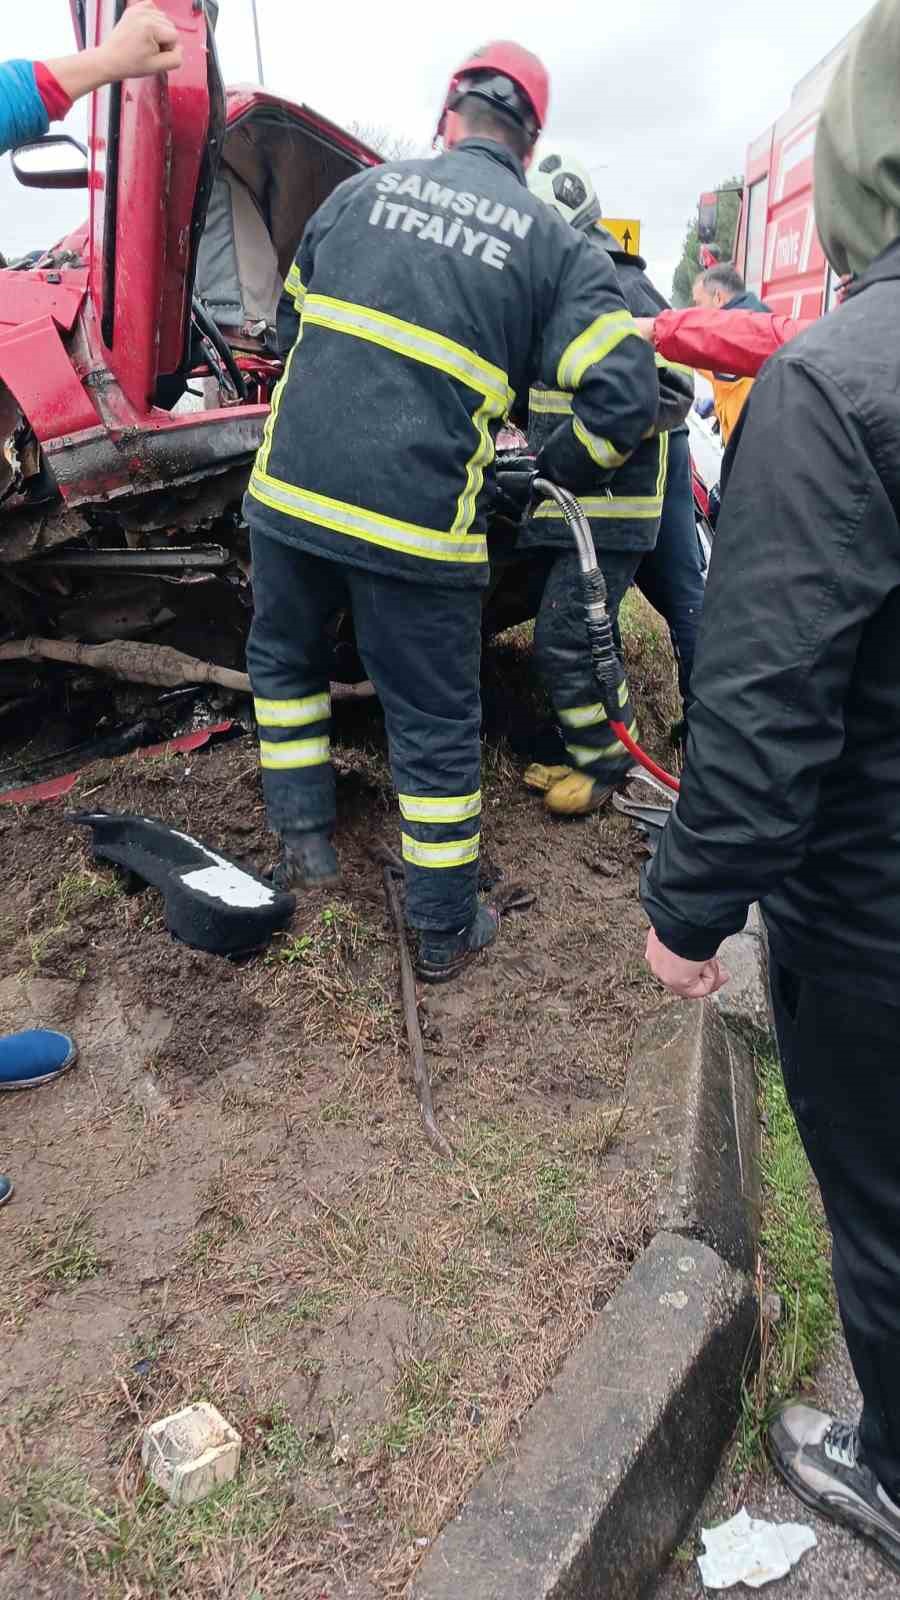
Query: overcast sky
point(660, 97)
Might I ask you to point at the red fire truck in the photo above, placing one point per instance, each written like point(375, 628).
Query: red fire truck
point(777, 249)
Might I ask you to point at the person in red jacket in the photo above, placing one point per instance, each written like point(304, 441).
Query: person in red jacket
point(739, 342)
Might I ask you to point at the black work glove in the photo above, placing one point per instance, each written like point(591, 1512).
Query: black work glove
point(513, 481)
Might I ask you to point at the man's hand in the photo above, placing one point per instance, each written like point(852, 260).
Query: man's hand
point(143, 42)
point(645, 326)
point(692, 980)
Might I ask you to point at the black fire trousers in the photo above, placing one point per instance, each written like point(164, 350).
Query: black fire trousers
point(562, 652)
point(841, 1064)
point(421, 647)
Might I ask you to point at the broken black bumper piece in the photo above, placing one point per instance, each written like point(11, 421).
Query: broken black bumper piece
point(211, 903)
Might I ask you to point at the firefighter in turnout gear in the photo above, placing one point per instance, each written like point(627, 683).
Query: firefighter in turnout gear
point(622, 497)
point(427, 293)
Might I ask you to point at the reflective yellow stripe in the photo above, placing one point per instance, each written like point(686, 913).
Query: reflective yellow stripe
point(675, 366)
point(292, 713)
point(455, 853)
point(596, 342)
point(481, 457)
point(408, 339)
point(262, 459)
point(663, 466)
point(589, 716)
point(553, 402)
point(295, 286)
point(439, 808)
point(293, 753)
point(633, 507)
point(583, 756)
point(371, 526)
point(601, 451)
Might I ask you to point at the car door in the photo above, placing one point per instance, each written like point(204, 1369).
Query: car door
point(154, 145)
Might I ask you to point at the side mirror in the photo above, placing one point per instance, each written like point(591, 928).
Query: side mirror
point(55, 162)
point(708, 218)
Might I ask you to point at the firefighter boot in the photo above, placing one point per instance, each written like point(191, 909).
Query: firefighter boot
point(307, 861)
point(443, 956)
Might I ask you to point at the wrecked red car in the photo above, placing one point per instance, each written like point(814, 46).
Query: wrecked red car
point(138, 357)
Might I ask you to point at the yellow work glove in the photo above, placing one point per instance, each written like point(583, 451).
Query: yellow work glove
point(543, 778)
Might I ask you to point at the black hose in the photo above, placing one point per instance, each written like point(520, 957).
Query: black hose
point(210, 331)
point(599, 627)
point(597, 620)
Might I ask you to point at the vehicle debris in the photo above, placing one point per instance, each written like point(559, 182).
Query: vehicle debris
point(514, 897)
point(128, 659)
point(749, 1550)
point(392, 873)
point(127, 433)
point(211, 903)
point(56, 787)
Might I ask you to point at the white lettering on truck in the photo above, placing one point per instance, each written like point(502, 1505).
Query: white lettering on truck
point(787, 250)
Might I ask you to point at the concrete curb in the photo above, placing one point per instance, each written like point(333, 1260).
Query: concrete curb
point(617, 1455)
point(745, 1000)
point(614, 1459)
point(692, 1098)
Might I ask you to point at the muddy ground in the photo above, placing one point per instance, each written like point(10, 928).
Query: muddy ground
point(230, 1196)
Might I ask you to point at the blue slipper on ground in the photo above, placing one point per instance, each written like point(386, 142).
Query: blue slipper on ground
point(6, 1190)
point(34, 1057)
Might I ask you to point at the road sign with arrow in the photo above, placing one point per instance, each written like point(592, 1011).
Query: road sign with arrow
point(627, 230)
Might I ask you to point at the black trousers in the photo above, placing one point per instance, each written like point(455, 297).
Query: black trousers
point(841, 1064)
point(562, 653)
point(671, 575)
point(421, 647)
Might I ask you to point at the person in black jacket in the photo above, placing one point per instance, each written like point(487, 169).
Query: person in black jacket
point(791, 792)
point(623, 503)
point(427, 294)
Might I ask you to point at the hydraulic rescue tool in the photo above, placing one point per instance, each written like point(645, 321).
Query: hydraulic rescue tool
point(599, 626)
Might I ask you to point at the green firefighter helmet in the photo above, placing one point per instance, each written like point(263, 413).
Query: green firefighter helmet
point(565, 184)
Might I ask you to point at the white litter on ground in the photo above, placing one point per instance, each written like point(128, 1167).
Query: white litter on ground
point(748, 1550)
point(191, 1453)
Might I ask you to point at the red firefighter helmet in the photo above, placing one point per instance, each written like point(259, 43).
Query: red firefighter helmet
point(509, 77)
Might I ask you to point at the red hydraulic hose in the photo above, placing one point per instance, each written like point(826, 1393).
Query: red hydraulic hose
point(647, 762)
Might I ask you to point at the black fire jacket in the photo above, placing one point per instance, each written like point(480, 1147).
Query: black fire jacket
point(791, 794)
point(428, 294)
point(624, 500)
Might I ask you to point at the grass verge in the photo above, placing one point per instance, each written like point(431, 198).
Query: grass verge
point(796, 1266)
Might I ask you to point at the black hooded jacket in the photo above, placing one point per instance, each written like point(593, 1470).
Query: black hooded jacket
point(791, 793)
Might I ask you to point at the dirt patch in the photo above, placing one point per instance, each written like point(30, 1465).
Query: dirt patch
point(230, 1196)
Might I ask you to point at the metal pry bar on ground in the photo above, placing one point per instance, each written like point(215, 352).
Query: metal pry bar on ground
point(392, 873)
